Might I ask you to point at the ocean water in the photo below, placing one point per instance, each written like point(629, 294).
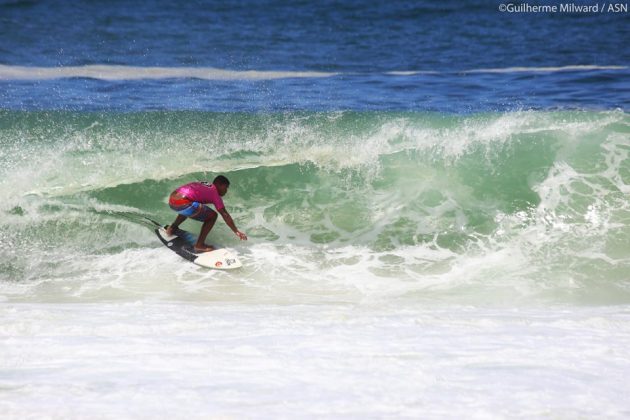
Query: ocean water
point(436, 198)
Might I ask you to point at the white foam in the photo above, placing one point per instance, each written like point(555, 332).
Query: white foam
point(546, 69)
point(121, 72)
point(508, 70)
point(411, 72)
point(113, 72)
point(148, 360)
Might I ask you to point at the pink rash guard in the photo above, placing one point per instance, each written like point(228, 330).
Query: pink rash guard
point(203, 193)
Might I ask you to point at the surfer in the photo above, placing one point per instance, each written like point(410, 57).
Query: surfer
point(189, 201)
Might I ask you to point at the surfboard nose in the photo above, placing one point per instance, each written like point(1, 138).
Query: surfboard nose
point(222, 259)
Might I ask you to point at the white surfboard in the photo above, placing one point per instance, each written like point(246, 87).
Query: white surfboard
point(182, 243)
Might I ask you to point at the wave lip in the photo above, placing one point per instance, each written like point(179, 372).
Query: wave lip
point(116, 72)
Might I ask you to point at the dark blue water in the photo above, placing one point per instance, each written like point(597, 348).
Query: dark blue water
point(362, 43)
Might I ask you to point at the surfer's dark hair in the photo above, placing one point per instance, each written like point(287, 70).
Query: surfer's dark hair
point(221, 180)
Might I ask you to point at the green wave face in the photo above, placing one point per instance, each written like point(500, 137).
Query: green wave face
point(502, 208)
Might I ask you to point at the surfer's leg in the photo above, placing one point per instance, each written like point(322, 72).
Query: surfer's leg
point(184, 209)
point(178, 221)
point(205, 229)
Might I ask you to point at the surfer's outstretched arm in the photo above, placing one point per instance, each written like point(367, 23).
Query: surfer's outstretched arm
point(228, 221)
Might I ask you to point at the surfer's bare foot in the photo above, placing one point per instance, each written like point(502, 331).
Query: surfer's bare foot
point(169, 230)
point(203, 248)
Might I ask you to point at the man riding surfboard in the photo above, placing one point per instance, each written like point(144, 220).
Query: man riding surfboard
point(190, 201)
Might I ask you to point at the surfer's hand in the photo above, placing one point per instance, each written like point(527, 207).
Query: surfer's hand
point(241, 235)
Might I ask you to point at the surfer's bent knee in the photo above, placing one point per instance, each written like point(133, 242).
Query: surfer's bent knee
point(204, 213)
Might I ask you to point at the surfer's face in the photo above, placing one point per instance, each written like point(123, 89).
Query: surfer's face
point(222, 189)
